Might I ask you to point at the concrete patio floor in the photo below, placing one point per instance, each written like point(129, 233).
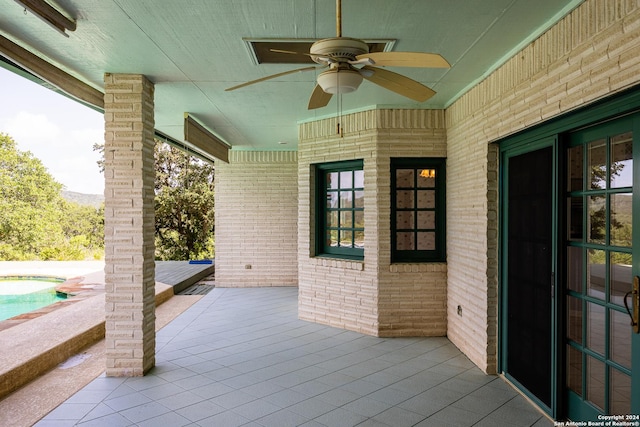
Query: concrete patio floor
point(241, 357)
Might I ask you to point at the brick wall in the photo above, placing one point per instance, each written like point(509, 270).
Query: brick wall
point(129, 225)
point(371, 296)
point(591, 53)
point(412, 297)
point(256, 219)
point(337, 292)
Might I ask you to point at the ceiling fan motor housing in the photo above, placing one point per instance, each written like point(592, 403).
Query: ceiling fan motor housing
point(341, 78)
point(341, 49)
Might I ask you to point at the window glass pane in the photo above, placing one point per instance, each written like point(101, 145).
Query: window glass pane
point(619, 392)
point(621, 219)
point(404, 178)
point(426, 199)
point(574, 319)
point(426, 178)
point(405, 241)
point(359, 195)
point(575, 161)
point(346, 179)
point(574, 268)
point(346, 199)
point(596, 278)
point(332, 199)
point(359, 219)
point(358, 239)
point(426, 220)
point(358, 179)
point(404, 220)
point(332, 180)
point(597, 164)
point(595, 327)
point(426, 241)
point(346, 239)
point(620, 276)
point(597, 219)
point(574, 370)
point(332, 219)
point(620, 338)
point(332, 238)
point(346, 219)
point(621, 160)
point(595, 382)
point(404, 199)
point(574, 218)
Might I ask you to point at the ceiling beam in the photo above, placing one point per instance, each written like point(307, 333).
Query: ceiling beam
point(201, 138)
point(49, 15)
point(58, 78)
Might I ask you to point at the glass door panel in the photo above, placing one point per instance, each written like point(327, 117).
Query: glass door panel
point(599, 272)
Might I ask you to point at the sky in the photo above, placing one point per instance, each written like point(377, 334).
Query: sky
point(57, 130)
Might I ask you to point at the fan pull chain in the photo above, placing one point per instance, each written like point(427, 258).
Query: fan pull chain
point(339, 106)
point(339, 119)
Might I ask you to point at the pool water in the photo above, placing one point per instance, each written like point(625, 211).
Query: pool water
point(22, 295)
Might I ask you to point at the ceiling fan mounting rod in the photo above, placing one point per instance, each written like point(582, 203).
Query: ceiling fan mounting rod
point(338, 18)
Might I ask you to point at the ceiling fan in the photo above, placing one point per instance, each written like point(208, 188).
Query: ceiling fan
point(347, 62)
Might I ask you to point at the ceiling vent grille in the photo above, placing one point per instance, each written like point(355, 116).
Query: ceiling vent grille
point(261, 52)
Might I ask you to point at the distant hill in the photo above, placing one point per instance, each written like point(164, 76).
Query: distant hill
point(94, 200)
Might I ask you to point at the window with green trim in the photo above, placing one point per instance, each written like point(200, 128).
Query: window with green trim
point(418, 210)
point(340, 208)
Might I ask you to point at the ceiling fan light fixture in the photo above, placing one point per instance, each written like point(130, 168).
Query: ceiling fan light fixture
point(339, 81)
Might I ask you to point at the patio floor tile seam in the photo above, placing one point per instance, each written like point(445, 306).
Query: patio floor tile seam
point(352, 379)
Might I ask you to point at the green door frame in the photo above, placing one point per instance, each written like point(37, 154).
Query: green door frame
point(537, 137)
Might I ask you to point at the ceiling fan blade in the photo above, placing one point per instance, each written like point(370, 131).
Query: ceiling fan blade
point(319, 98)
point(406, 59)
point(397, 83)
point(273, 76)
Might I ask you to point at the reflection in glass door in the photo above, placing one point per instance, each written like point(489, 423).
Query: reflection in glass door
point(599, 200)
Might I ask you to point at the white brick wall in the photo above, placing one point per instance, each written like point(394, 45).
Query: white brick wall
point(256, 219)
point(373, 296)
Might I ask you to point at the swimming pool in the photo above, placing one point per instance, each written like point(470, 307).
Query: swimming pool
point(22, 294)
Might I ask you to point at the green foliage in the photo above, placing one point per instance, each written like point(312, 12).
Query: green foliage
point(184, 205)
point(35, 221)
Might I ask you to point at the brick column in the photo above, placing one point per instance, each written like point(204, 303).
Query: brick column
point(129, 225)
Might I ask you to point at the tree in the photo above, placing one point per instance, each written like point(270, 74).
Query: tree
point(35, 221)
point(184, 204)
point(83, 228)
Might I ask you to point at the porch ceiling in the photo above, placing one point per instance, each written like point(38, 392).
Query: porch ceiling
point(193, 49)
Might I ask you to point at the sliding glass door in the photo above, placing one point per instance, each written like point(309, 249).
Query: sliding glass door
point(599, 341)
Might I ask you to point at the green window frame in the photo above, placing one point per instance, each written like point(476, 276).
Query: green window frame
point(340, 208)
point(418, 210)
